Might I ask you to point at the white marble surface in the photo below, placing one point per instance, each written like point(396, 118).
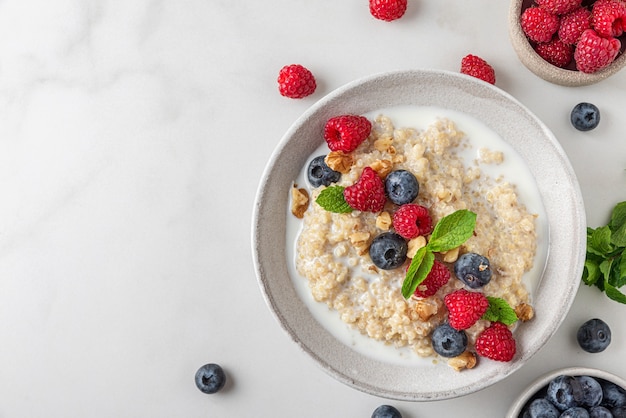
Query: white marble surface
point(132, 138)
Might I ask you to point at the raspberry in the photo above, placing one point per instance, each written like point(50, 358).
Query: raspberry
point(539, 24)
point(556, 52)
point(437, 277)
point(411, 220)
point(367, 194)
point(478, 67)
point(295, 81)
point(573, 25)
point(346, 132)
point(559, 7)
point(594, 53)
point(608, 17)
point(465, 308)
point(496, 342)
point(388, 10)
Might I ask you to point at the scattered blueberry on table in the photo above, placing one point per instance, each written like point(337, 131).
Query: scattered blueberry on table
point(585, 116)
point(386, 411)
point(594, 336)
point(210, 378)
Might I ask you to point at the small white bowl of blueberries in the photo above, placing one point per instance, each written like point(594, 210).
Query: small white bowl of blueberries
point(576, 392)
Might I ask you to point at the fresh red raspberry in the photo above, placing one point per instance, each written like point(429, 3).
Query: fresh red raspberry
point(539, 24)
point(411, 220)
point(296, 81)
point(496, 342)
point(465, 308)
point(559, 7)
point(608, 17)
point(367, 194)
point(346, 132)
point(594, 53)
point(436, 279)
point(388, 10)
point(556, 52)
point(479, 68)
point(573, 25)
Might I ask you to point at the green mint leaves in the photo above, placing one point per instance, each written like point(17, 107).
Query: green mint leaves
point(450, 232)
point(332, 200)
point(605, 263)
point(499, 311)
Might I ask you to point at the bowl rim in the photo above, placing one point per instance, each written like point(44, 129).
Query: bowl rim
point(543, 380)
point(544, 69)
point(268, 266)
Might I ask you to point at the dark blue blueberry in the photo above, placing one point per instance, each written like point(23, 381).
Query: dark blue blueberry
point(473, 269)
point(542, 408)
point(592, 391)
point(388, 250)
point(599, 412)
point(320, 174)
point(585, 116)
point(210, 378)
point(386, 411)
point(565, 392)
point(448, 342)
point(575, 412)
point(594, 336)
point(612, 395)
point(401, 187)
point(619, 412)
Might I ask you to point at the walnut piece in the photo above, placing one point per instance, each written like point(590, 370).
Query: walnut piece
point(426, 308)
point(414, 245)
point(383, 221)
point(524, 312)
point(360, 241)
point(467, 360)
point(382, 167)
point(451, 255)
point(383, 144)
point(299, 201)
point(338, 161)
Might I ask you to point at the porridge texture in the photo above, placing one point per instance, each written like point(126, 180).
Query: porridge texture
point(332, 248)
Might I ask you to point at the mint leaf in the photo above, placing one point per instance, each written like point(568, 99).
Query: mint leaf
point(332, 200)
point(452, 231)
point(420, 266)
point(591, 272)
point(618, 225)
point(614, 294)
point(599, 241)
point(499, 311)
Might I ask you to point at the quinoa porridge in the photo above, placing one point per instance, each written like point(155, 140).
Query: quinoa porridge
point(331, 251)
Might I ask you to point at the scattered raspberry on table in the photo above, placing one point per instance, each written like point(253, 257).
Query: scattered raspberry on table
point(296, 81)
point(479, 68)
point(388, 10)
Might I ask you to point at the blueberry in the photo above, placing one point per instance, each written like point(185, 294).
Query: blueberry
point(575, 412)
point(592, 391)
point(619, 412)
point(473, 269)
point(388, 250)
point(612, 395)
point(401, 187)
point(210, 378)
point(565, 392)
point(599, 412)
point(594, 336)
point(448, 342)
point(320, 174)
point(542, 408)
point(386, 411)
point(585, 116)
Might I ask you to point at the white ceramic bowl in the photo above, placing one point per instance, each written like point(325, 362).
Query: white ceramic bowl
point(538, 384)
point(545, 70)
point(516, 125)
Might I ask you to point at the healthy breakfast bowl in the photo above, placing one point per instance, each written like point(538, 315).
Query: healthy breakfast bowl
point(603, 392)
point(475, 150)
point(565, 72)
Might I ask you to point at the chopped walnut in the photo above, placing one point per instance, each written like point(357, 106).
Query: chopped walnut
point(467, 360)
point(383, 143)
point(414, 245)
point(382, 167)
point(451, 256)
point(524, 312)
point(383, 221)
point(299, 201)
point(398, 159)
point(360, 241)
point(426, 308)
point(338, 161)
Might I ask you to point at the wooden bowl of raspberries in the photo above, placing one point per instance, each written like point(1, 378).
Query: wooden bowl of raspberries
point(570, 42)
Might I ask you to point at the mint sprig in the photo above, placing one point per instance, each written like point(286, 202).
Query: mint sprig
point(605, 261)
point(450, 232)
point(500, 311)
point(332, 200)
